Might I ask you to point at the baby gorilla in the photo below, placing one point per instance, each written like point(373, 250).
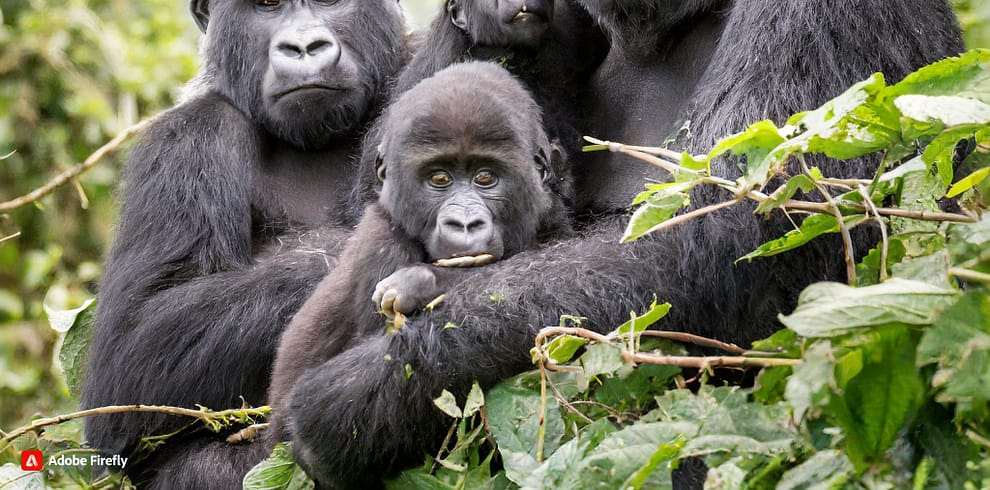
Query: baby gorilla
point(463, 160)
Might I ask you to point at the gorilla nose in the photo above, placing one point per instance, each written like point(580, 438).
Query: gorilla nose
point(463, 232)
point(304, 52)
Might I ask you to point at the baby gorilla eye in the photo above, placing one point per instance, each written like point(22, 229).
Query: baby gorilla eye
point(268, 3)
point(485, 178)
point(440, 179)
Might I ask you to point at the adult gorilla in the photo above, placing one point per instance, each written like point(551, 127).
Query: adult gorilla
point(201, 280)
point(718, 64)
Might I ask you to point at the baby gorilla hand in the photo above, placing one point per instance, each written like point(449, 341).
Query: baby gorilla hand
point(406, 291)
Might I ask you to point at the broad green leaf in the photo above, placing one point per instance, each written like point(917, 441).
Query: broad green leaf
point(827, 309)
point(562, 469)
point(968, 182)
point(602, 359)
point(812, 227)
point(632, 451)
point(663, 454)
point(278, 472)
point(807, 388)
point(514, 409)
point(878, 402)
point(448, 404)
point(963, 76)
point(959, 344)
point(853, 124)
point(562, 348)
point(824, 470)
point(74, 352)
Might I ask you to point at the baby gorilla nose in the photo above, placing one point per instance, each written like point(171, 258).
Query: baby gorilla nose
point(463, 231)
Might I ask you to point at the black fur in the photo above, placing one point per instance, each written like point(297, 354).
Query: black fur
point(465, 119)
point(719, 65)
point(202, 277)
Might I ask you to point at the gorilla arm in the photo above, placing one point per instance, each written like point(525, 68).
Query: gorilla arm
point(184, 316)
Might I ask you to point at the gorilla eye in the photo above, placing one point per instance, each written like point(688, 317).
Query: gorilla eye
point(268, 3)
point(440, 179)
point(485, 178)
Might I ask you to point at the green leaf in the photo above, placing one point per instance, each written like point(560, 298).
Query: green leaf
point(807, 388)
point(756, 142)
point(278, 472)
point(515, 409)
point(74, 352)
point(652, 213)
point(812, 227)
point(475, 400)
point(947, 109)
point(828, 309)
point(602, 359)
point(829, 468)
point(562, 348)
point(637, 324)
point(941, 152)
point(965, 76)
point(800, 182)
point(968, 182)
point(62, 321)
point(878, 402)
point(448, 404)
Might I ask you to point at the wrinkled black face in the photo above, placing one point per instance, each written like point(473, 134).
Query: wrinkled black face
point(306, 70)
point(503, 22)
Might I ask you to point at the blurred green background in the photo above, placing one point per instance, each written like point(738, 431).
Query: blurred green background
point(73, 73)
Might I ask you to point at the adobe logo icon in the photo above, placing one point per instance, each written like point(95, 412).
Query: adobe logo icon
point(31, 460)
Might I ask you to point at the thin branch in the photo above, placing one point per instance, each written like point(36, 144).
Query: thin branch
point(10, 237)
point(698, 362)
point(703, 342)
point(843, 229)
point(638, 152)
point(203, 415)
point(969, 275)
point(74, 172)
point(247, 434)
point(883, 233)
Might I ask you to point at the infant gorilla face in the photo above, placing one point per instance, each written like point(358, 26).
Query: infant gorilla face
point(461, 164)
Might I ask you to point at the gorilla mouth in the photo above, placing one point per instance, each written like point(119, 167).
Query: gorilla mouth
point(465, 260)
point(307, 87)
point(529, 15)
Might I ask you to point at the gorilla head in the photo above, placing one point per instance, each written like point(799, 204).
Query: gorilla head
point(306, 71)
point(502, 23)
point(458, 168)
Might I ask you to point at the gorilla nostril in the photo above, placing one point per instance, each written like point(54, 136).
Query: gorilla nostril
point(453, 224)
point(318, 46)
point(289, 50)
point(476, 226)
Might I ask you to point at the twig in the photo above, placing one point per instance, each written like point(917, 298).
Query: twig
point(10, 237)
point(74, 172)
point(703, 342)
point(883, 233)
point(843, 229)
point(247, 434)
point(697, 362)
point(969, 275)
point(203, 415)
point(637, 152)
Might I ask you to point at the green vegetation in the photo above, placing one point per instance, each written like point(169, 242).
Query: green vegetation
point(892, 384)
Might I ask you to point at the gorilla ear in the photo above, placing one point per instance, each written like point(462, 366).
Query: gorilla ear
point(380, 166)
point(201, 12)
point(547, 160)
point(457, 15)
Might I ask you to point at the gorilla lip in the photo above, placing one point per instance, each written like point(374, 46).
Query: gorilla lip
point(310, 86)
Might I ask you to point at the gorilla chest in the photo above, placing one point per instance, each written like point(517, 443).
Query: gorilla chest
point(303, 188)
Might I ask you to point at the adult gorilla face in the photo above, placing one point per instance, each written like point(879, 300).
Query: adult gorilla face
point(298, 68)
point(502, 22)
